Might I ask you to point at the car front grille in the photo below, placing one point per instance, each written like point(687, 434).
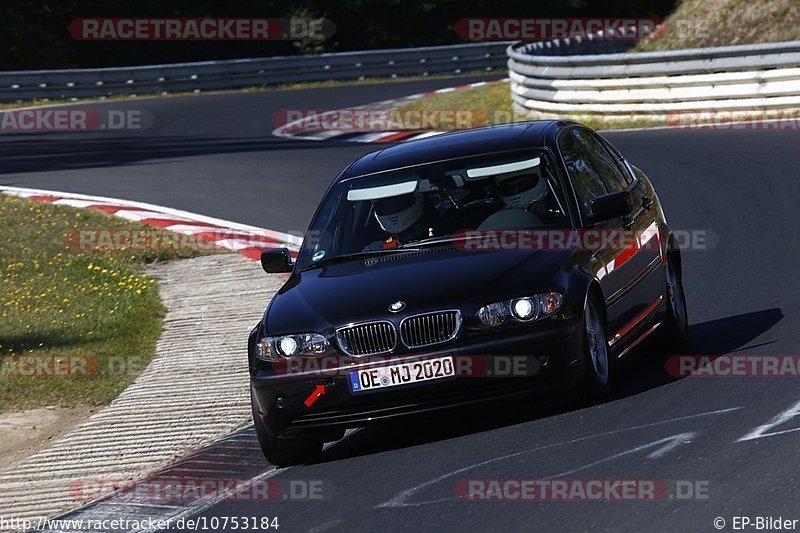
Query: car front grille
point(367, 339)
point(429, 328)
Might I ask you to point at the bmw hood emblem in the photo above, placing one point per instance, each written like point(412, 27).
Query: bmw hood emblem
point(397, 307)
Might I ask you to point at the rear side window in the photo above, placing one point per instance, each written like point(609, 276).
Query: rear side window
point(582, 171)
point(613, 175)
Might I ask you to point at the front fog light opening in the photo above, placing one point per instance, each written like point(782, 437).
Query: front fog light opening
point(524, 309)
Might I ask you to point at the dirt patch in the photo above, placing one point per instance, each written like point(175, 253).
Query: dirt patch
point(24, 432)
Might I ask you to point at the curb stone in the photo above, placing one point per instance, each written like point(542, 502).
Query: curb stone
point(241, 238)
point(195, 389)
point(303, 129)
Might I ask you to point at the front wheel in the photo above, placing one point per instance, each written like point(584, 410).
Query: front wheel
point(283, 452)
point(676, 324)
point(596, 382)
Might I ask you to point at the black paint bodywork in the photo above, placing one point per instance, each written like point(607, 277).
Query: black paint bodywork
point(322, 299)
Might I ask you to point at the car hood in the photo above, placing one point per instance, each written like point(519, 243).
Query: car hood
point(324, 298)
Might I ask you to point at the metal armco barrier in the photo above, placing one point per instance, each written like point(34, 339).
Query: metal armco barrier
point(235, 74)
point(752, 78)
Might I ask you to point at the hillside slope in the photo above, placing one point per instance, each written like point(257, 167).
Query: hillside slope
point(703, 23)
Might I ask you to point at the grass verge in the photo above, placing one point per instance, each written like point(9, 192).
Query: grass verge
point(76, 327)
point(491, 104)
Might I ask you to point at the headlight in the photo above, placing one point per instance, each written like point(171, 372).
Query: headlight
point(525, 309)
point(274, 348)
point(493, 314)
point(549, 303)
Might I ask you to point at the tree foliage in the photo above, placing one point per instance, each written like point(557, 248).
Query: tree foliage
point(35, 35)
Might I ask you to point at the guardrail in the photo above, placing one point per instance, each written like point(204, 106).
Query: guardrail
point(751, 78)
point(235, 74)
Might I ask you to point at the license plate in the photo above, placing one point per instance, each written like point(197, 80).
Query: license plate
point(401, 374)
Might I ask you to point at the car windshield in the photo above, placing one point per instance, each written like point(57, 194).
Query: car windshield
point(417, 206)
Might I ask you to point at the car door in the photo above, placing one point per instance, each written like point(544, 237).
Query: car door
point(621, 269)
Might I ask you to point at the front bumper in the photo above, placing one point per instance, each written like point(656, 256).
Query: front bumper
point(558, 346)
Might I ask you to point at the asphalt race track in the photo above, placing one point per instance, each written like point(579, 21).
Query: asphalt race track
point(213, 154)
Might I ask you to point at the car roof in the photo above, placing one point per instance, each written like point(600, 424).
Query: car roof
point(455, 145)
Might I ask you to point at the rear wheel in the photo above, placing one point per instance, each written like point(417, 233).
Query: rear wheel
point(676, 324)
point(597, 365)
point(283, 452)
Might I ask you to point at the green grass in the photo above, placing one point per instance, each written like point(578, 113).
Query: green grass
point(491, 104)
point(93, 308)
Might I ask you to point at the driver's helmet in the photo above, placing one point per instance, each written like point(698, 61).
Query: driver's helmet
point(396, 214)
point(520, 189)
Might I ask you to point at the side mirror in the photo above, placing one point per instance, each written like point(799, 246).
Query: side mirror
point(276, 260)
point(610, 206)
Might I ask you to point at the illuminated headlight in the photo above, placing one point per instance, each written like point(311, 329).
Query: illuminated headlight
point(525, 309)
point(274, 348)
point(287, 346)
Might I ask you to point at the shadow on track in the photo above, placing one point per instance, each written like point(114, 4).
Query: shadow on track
point(646, 370)
point(643, 370)
point(33, 152)
point(238, 454)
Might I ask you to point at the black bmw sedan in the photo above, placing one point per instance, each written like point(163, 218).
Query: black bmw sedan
point(467, 267)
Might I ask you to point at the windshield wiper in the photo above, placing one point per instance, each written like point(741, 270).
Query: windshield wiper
point(432, 241)
point(357, 255)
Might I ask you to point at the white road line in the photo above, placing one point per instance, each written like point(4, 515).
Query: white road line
point(137, 215)
point(761, 431)
point(664, 447)
point(77, 203)
point(326, 526)
point(400, 499)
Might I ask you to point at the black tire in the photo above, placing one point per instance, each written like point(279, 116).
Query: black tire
point(283, 452)
point(598, 365)
point(676, 323)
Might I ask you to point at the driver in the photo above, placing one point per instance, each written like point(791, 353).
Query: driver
point(524, 190)
point(400, 217)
